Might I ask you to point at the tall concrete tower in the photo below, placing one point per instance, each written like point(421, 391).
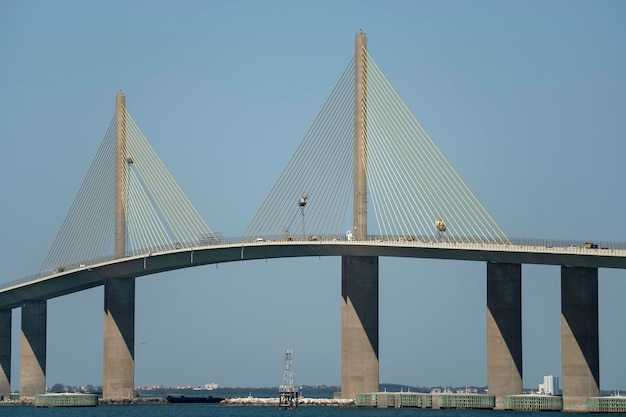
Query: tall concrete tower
point(120, 176)
point(360, 136)
point(118, 372)
point(359, 274)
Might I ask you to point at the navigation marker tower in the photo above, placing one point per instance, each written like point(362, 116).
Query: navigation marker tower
point(288, 395)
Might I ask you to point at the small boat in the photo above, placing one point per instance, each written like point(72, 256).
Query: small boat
point(193, 400)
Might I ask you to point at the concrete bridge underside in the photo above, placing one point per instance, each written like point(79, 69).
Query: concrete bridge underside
point(359, 311)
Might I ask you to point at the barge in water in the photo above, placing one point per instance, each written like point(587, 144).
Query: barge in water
point(193, 400)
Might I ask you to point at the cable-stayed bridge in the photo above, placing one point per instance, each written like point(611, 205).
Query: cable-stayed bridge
point(366, 181)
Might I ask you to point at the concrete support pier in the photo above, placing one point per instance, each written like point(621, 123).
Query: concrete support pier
point(359, 325)
point(5, 353)
point(504, 330)
point(579, 337)
point(119, 339)
point(33, 360)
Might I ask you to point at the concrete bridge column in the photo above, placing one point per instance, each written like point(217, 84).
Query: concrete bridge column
point(579, 336)
point(33, 361)
point(359, 325)
point(119, 339)
point(5, 353)
point(118, 372)
point(504, 330)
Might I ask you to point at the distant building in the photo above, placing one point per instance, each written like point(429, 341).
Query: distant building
point(466, 390)
point(550, 385)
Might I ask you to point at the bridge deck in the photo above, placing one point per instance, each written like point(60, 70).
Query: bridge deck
point(89, 275)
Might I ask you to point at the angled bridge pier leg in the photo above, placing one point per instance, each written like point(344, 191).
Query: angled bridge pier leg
point(119, 339)
point(579, 336)
point(33, 360)
point(5, 354)
point(504, 330)
point(359, 325)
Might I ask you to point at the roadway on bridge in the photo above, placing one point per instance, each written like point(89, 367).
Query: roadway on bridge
point(92, 275)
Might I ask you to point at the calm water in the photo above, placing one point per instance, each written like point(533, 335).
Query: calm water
point(213, 410)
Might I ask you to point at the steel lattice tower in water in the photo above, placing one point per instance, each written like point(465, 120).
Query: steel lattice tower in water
point(288, 395)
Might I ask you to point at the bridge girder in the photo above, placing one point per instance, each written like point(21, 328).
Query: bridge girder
point(95, 275)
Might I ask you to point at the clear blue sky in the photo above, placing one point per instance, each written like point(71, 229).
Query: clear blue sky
point(526, 100)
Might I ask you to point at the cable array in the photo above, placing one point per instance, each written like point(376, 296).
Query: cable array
point(413, 191)
point(318, 174)
point(87, 231)
point(159, 216)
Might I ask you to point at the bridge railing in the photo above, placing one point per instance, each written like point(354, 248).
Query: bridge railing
point(63, 268)
point(530, 242)
point(599, 244)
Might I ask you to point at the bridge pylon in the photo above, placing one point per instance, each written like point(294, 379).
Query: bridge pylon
point(359, 274)
point(118, 374)
point(120, 176)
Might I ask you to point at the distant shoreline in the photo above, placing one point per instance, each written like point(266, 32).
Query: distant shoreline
point(302, 402)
